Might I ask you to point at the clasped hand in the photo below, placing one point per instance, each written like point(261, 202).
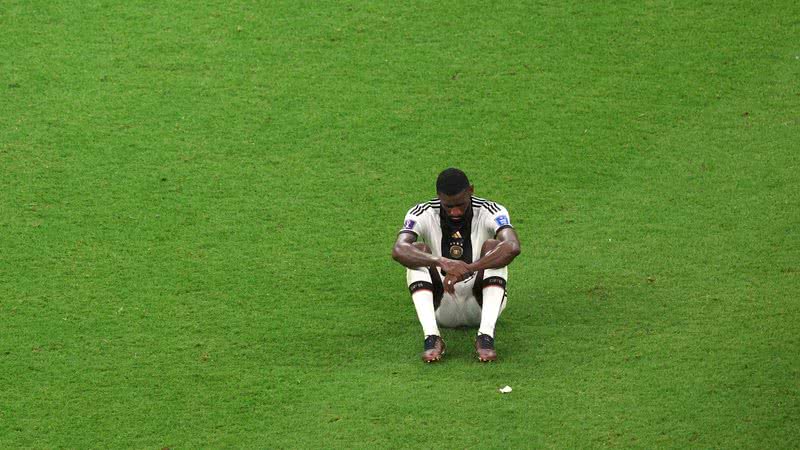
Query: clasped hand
point(456, 271)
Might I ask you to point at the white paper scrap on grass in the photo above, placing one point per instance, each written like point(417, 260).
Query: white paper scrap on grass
point(505, 390)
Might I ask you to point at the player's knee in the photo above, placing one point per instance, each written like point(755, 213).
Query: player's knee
point(489, 245)
point(422, 247)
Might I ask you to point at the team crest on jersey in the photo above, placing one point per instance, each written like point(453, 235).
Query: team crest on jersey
point(409, 224)
point(502, 220)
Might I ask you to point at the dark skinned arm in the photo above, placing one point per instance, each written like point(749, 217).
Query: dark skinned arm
point(407, 254)
point(500, 256)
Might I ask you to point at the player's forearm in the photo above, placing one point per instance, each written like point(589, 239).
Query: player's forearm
point(501, 256)
point(412, 257)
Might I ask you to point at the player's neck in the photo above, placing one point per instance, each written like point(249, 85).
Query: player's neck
point(457, 225)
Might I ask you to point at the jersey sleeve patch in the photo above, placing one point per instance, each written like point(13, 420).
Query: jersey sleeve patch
point(409, 224)
point(502, 220)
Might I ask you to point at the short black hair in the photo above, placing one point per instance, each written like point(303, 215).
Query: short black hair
point(452, 181)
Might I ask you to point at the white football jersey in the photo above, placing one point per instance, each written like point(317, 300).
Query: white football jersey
point(425, 221)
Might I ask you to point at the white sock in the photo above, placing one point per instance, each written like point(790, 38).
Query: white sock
point(492, 301)
point(423, 302)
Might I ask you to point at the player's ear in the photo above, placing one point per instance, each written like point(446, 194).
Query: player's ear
point(471, 189)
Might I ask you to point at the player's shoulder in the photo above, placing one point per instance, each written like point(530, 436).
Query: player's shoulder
point(430, 207)
point(486, 205)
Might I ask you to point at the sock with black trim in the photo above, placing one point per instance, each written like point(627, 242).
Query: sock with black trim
point(494, 289)
point(421, 288)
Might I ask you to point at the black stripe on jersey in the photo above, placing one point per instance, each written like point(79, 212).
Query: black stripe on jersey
point(483, 203)
point(422, 207)
point(419, 208)
point(492, 208)
point(489, 206)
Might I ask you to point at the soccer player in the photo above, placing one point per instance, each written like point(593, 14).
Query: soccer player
point(457, 272)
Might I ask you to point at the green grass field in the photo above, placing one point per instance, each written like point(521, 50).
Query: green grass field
point(198, 202)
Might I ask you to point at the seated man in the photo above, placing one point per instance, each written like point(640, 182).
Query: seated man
point(457, 274)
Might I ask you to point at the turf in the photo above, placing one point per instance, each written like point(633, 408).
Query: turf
point(198, 202)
